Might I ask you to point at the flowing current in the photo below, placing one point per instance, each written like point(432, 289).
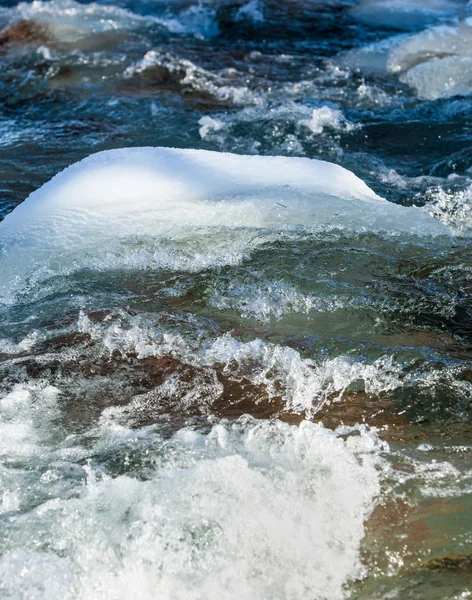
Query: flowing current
point(235, 341)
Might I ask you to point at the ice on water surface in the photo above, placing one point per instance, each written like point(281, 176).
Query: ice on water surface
point(235, 339)
point(434, 62)
point(157, 192)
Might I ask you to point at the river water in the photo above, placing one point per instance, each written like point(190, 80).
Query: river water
point(248, 410)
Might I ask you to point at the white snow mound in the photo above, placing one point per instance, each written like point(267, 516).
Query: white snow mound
point(119, 209)
point(156, 190)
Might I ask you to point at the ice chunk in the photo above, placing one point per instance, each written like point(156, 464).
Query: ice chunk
point(118, 202)
point(434, 43)
point(434, 62)
point(252, 11)
point(189, 188)
point(442, 78)
point(152, 191)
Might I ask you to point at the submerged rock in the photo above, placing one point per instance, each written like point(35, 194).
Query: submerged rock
point(24, 31)
point(452, 562)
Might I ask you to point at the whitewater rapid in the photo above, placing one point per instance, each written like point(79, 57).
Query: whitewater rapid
point(235, 337)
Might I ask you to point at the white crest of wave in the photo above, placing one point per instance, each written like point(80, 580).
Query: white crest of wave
point(70, 21)
point(190, 75)
point(306, 383)
point(307, 121)
point(249, 510)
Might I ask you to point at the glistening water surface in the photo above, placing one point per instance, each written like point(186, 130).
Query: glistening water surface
point(241, 412)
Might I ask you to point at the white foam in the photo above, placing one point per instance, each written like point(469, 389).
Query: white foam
point(246, 510)
point(7, 346)
point(306, 383)
point(275, 121)
point(326, 117)
point(121, 201)
point(209, 125)
point(191, 76)
point(452, 207)
point(25, 412)
point(266, 301)
point(249, 510)
point(271, 300)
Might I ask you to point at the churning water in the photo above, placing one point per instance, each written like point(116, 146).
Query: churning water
point(224, 376)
